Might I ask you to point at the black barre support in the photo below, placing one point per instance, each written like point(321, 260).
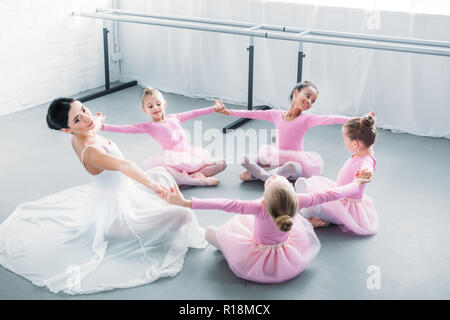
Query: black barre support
point(105, 57)
point(300, 66)
point(108, 88)
point(251, 53)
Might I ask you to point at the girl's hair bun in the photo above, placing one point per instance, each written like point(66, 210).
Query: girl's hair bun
point(147, 90)
point(284, 222)
point(367, 122)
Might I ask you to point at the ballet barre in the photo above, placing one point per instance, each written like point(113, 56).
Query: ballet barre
point(278, 32)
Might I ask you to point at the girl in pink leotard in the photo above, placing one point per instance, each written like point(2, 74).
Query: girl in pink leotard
point(268, 241)
point(356, 212)
point(291, 127)
point(189, 165)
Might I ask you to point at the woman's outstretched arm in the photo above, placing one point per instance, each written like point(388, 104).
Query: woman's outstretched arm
point(99, 159)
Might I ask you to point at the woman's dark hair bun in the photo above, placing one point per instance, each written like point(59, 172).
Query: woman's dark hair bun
point(58, 113)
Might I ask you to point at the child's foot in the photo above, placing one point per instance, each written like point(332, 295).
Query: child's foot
point(185, 173)
point(209, 181)
point(197, 175)
point(246, 176)
point(318, 223)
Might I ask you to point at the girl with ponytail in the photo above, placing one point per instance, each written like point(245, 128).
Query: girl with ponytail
point(357, 212)
point(268, 241)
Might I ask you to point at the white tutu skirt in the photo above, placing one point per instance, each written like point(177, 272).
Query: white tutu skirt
point(356, 215)
point(92, 238)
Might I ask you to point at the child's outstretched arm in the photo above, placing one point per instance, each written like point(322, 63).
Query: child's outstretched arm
point(174, 196)
point(253, 114)
point(307, 200)
point(132, 128)
point(318, 120)
point(184, 116)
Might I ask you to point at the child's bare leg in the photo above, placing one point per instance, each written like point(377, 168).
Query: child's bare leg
point(211, 236)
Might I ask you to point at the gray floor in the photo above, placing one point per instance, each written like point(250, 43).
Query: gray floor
point(410, 190)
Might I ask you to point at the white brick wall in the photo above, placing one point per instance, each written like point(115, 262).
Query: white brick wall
point(46, 53)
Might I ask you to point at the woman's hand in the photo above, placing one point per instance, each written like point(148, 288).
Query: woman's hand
point(219, 107)
point(363, 176)
point(160, 190)
point(174, 196)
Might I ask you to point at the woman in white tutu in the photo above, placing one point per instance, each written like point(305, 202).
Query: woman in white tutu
point(113, 233)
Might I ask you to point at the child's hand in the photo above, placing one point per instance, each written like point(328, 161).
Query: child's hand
point(219, 107)
point(372, 114)
point(174, 196)
point(363, 176)
point(99, 120)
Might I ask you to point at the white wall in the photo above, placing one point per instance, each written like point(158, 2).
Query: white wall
point(409, 92)
point(46, 53)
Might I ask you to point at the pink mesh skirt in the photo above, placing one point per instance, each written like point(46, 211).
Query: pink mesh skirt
point(189, 159)
point(357, 215)
point(267, 263)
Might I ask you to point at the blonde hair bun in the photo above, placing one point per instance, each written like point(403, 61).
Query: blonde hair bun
point(284, 222)
point(148, 90)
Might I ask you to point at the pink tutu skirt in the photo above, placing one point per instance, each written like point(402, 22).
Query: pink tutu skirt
point(311, 162)
point(189, 159)
point(357, 215)
point(267, 263)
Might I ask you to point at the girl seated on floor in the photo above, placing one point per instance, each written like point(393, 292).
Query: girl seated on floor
point(190, 166)
point(356, 212)
point(268, 241)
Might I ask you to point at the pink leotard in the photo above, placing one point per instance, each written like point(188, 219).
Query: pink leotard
point(253, 246)
point(290, 133)
point(348, 171)
point(266, 230)
point(357, 211)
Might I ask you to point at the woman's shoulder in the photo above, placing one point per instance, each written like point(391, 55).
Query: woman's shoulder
point(80, 146)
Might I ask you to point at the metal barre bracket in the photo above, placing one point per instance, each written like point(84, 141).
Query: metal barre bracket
point(367, 41)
